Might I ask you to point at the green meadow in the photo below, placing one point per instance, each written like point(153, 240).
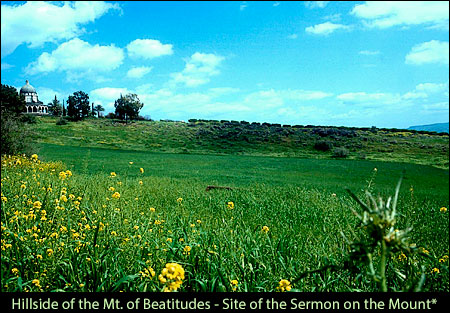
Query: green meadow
point(88, 218)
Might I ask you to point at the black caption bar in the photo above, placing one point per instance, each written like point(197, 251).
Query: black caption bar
point(224, 302)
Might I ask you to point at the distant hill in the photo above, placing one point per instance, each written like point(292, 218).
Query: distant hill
point(438, 127)
point(244, 138)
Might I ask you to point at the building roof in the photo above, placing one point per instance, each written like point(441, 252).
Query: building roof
point(27, 88)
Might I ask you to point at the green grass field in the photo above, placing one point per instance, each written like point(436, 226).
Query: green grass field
point(285, 219)
point(329, 175)
point(239, 138)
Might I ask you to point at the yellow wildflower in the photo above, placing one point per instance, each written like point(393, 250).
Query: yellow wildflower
point(36, 283)
point(147, 273)
point(179, 200)
point(230, 205)
point(142, 170)
point(234, 283)
point(443, 209)
point(265, 229)
point(402, 257)
point(113, 174)
point(284, 285)
point(62, 175)
point(34, 157)
point(172, 276)
point(116, 195)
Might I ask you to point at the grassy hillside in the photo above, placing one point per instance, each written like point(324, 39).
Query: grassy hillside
point(243, 138)
point(107, 207)
point(78, 227)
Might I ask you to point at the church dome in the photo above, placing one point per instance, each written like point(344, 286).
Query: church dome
point(27, 88)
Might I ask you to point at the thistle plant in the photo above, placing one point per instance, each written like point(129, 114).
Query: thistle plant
point(382, 238)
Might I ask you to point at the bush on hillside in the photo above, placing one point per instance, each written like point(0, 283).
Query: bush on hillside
point(15, 137)
point(28, 118)
point(61, 121)
point(323, 145)
point(340, 152)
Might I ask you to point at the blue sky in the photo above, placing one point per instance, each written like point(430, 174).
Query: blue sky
point(382, 64)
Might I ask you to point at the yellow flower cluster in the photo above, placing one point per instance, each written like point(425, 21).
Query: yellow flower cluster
point(65, 174)
point(234, 284)
point(284, 285)
point(172, 276)
point(116, 195)
point(32, 162)
point(187, 250)
point(147, 273)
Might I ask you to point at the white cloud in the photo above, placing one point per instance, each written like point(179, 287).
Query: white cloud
point(316, 4)
point(437, 107)
point(243, 5)
point(220, 91)
point(200, 67)
point(333, 17)
point(277, 3)
point(37, 22)
point(47, 95)
point(364, 99)
point(6, 66)
point(272, 98)
point(216, 103)
point(433, 51)
point(369, 52)
point(106, 96)
point(79, 56)
point(325, 28)
point(422, 93)
point(148, 49)
point(292, 36)
point(384, 14)
point(434, 88)
point(139, 72)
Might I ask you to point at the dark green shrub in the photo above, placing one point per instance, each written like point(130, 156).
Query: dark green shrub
point(61, 121)
point(15, 136)
point(340, 152)
point(28, 118)
point(323, 145)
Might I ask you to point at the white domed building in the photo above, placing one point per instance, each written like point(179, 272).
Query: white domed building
point(34, 106)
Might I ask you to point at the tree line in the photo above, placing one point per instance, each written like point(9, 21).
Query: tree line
point(78, 107)
point(16, 136)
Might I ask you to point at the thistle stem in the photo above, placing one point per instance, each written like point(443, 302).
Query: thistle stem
point(384, 251)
